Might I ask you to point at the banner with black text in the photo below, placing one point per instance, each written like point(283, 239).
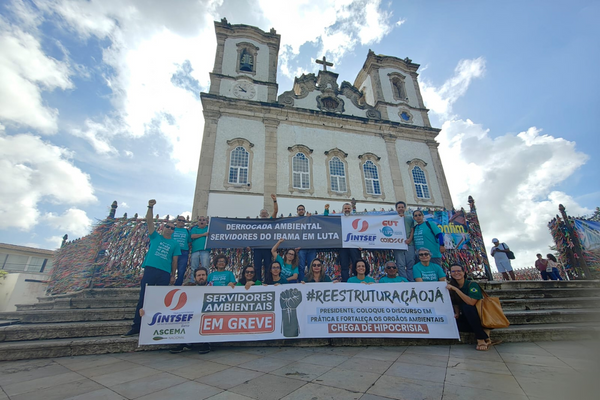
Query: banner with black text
point(199, 314)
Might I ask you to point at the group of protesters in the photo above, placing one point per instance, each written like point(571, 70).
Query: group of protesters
point(167, 259)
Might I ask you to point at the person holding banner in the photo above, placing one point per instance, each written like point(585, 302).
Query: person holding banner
point(348, 256)
point(221, 277)
point(304, 255)
point(160, 264)
point(289, 265)
point(262, 257)
point(182, 236)
point(405, 259)
point(464, 294)
point(200, 255)
point(248, 277)
point(425, 270)
point(273, 275)
point(428, 235)
point(361, 270)
point(316, 273)
point(391, 271)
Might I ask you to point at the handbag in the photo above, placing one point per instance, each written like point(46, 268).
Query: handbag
point(509, 254)
point(490, 312)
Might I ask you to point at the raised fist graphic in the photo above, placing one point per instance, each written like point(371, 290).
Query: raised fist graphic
point(290, 299)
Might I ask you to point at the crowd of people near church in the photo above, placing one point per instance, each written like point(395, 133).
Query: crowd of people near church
point(167, 260)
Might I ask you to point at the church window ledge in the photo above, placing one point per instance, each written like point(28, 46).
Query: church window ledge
point(370, 170)
point(239, 165)
point(301, 169)
point(420, 181)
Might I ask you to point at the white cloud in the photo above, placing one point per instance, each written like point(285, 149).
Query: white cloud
point(33, 171)
point(98, 135)
point(335, 26)
point(511, 177)
point(440, 99)
point(25, 72)
point(73, 222)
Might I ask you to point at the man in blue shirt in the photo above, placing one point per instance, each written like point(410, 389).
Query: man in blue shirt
point(428, 235)
point(160, 264)
point(405, 259)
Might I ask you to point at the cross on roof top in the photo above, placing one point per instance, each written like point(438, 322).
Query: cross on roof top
point(324, 63)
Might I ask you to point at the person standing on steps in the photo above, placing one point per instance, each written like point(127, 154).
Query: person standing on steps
point(405, 259)
point(262, 257)
point(182, 236)
point(502, 261)
point(160, 264)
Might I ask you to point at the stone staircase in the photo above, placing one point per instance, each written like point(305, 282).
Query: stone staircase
point(91, 321)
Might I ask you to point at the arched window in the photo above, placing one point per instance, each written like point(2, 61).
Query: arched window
point(337, 175)
point(246, 61)
point(421, 187)
point(238, 166)
point(372, 185)
point(300, 171)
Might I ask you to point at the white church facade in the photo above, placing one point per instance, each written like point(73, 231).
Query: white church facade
point(322, 142)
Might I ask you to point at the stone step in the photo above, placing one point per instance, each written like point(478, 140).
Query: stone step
point(82, 303)
point(31, 349)
point(501, 285)
point(74, 315)
point(115, 344)
point(550, 303)
point(18, 332)
point(544, 293)
point(553, 316)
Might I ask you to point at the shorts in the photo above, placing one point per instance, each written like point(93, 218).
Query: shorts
point(503, 266)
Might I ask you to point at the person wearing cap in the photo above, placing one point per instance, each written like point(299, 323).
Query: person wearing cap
point(502, 261)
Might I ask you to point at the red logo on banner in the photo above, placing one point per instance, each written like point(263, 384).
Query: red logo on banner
point(180, 301)
point(364, 225)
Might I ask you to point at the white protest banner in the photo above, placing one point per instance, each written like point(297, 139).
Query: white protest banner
point(199, 314)
point(374, 232)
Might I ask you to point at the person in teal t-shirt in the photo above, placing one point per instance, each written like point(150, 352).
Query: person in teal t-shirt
point(221, 277)
point(428, 235)
point(160, 264)
point(289, 265)
point(273, 275)
point(182, 236)
point(199, 233)
point(391, 270)
point(425, 270)
point(361, 270)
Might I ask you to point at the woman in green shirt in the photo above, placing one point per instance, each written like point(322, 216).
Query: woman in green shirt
point(361, 270)
point(464, 294)
point(248, 277)
point(316, 272)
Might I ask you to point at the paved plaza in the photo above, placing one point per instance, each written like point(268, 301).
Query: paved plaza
point(537, 370)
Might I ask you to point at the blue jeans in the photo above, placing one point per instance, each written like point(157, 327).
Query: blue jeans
point(182, 263)
point(152, 277)
point(199, 257)
point(347, 259)
point(262, 257)
point(405, 260)
point(305, 257)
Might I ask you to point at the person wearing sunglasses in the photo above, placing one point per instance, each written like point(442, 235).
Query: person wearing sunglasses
point(425, 270)
point(248, 277)
point(316, 272)
point(391, 274)
point(160, 264)
point(182, 236)
point(427, 234)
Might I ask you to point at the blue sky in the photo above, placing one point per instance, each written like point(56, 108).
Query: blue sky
point(99, 101)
